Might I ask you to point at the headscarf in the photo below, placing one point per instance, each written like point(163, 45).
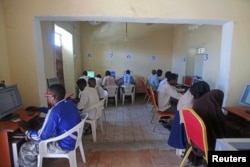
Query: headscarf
point(208, 107)
point(199, 88)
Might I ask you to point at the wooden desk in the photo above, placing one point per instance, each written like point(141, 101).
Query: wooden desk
point(239, 111)
point(7, 128)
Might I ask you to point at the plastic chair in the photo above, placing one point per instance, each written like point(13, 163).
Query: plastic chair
point(196, 133)
point(97, 108)
point(161, 114)
point(147, 96)
point(128, 90)
point(71, 155)
point(112, 92)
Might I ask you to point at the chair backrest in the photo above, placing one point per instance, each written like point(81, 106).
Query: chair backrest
point(195, 129)
point(112, 90)
point(97, 108)
point(144, 86)
point(78, 129)
point(128, 88)
point(152, 95)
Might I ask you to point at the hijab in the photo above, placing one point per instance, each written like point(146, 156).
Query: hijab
point(208, 107)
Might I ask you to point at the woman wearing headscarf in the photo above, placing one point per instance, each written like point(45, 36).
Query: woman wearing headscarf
point(177, 137)
point(209, 108)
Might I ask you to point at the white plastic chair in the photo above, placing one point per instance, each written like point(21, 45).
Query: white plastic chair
point(128, 90)
point(97, 108)
point(71, 155)
point(112, 92)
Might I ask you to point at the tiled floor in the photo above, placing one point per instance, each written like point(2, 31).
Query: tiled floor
point(127, 141)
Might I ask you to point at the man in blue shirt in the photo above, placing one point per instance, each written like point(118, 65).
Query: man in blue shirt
point(62, 117)
point(154, 80)
point(128, 78)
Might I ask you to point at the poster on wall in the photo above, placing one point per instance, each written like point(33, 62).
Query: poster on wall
point(128, 56)
point(89, 55)
point(153, 58)
point(111, 55)
point(205, 57)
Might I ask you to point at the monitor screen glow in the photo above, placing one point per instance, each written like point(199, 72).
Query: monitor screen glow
point(90, 74)
point(245, 97)
point(10, 100)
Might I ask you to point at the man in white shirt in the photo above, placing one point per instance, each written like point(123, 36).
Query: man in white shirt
point(88, 97)
point(100, 91)
point(108, 80)
point(166, 92)
point(84, 76)
point(165, 80)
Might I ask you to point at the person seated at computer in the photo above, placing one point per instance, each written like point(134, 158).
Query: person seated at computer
point(209, 108)
point(177, 137)
point(63, 116)
point(128, 78)
point(153, 72)
point(154, 80)
point(108, 79)
point(165, 80)
point(84, 76)
point(88, 97)
point(99, 89)
point(98, 79)
point(166, 93)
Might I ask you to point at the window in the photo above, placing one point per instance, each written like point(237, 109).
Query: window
point(58, 41)
point(200, 50)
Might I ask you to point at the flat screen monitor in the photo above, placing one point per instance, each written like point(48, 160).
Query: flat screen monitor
point(53, 81)
point(10, 101)
point(195, 80)
point(112, 73)
point(90, 74)
point(245, 97)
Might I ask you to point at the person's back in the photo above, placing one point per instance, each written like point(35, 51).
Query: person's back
point(128, 78)
point(165, 92)
point(154, 80)
point(108, 80)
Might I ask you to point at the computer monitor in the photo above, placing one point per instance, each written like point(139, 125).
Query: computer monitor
point(195, 80)
point(112, 74)
point(10, 101)
point(245, 97)
point(90, 74)
point(53, 81)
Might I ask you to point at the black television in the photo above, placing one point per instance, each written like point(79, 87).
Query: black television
point(10, 102)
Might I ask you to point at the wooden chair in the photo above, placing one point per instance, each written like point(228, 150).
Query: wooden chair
point(196, 133)
point(70, 155)
point(144, 86)
point(161, 114)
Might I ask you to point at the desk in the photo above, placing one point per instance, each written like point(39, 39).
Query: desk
point(232, 144)
point(239, 111)
point(7, 128)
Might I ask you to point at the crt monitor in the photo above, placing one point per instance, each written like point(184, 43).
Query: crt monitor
point(90, 74)
point(53, 81)
point(245, 97)
point(10, 101)
point(112, 73)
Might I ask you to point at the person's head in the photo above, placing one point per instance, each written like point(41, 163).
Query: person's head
point(55, 94)
point(92, 82)
point(127, 71)
point(199, 88)
point(85, 73)
point(153, 72)
point(167, 74)
point(98, 76)
point(159, 72)
point(107, 73)
point(81, 83)
point(172, 79)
